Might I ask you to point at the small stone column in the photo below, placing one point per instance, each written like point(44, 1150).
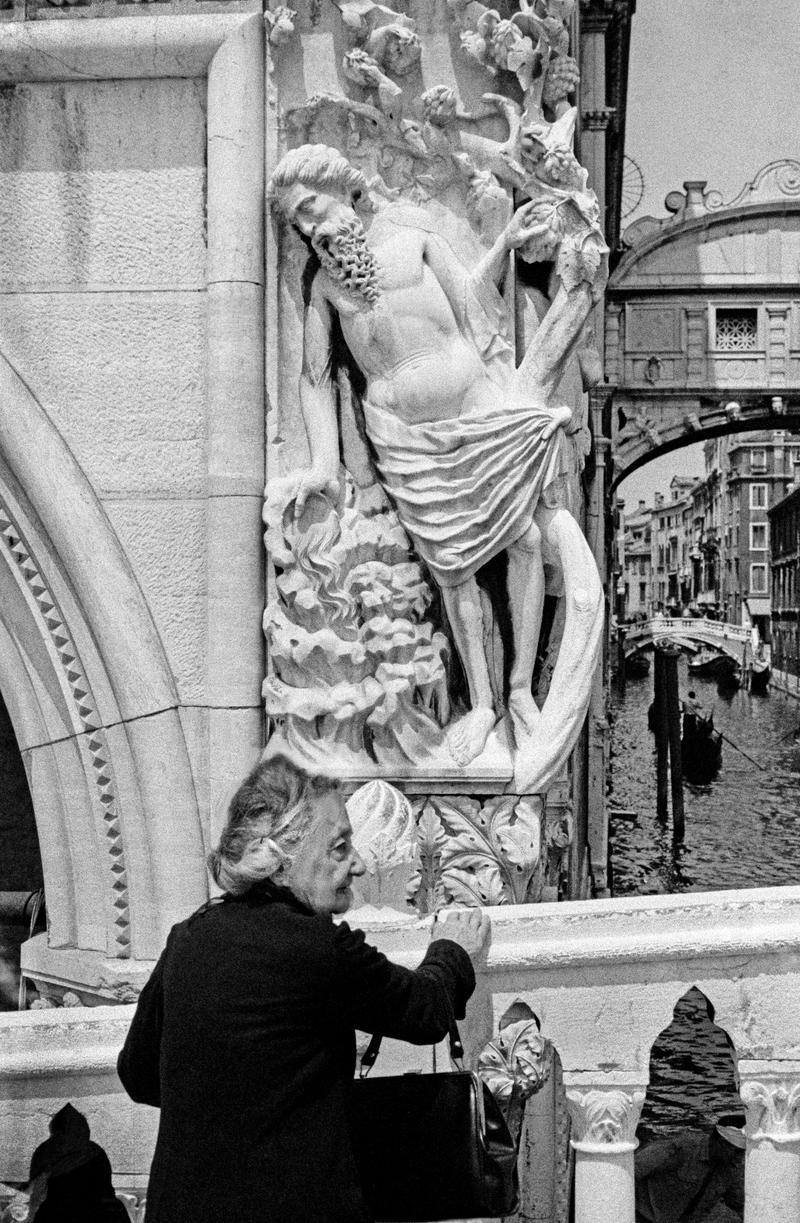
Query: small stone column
point(770, 1092)
point(604, 1110)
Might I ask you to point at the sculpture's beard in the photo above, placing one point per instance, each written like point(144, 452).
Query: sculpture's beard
point(347, 259)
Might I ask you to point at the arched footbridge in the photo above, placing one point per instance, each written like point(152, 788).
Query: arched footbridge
point(732, 639)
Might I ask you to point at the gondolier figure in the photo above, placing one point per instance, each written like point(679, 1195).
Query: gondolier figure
point(691, 707)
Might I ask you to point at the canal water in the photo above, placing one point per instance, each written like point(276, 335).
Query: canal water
point(742, 830)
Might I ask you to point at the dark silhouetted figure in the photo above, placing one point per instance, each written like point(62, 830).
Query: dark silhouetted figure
point(70, 1177)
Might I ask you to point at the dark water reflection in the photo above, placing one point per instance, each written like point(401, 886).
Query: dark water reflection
point(691, 1073)
point(743, 830)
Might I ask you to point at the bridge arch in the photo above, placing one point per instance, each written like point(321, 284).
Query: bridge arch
point(94, 707)
point(703, 320)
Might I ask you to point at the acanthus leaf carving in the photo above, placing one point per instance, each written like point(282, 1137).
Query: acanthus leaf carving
point(517, 1059)
point(773, 1108)
point(425, 888)
point(477, 854)
point(604, 1117)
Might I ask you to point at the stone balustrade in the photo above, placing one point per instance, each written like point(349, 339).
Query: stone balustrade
point(602, 977)
point(705, 629)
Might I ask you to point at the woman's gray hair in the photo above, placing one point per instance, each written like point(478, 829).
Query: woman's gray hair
point(268, 816)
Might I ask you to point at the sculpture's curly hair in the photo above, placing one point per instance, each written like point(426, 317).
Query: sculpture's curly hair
point(317, 165)
point(268, 816)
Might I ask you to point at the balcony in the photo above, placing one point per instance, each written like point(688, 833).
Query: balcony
point(602, 977)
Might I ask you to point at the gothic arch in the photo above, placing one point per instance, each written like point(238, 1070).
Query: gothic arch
point(93, 702)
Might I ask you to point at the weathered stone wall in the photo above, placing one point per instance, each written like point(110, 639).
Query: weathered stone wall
point(102, 312)
point(131, 460)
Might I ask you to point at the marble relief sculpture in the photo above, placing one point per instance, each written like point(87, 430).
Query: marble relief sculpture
point(409, 344)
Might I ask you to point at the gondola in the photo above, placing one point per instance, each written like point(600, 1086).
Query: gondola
point(637, 665)
point(759, 676)
point(715, 665)
point(701, 749)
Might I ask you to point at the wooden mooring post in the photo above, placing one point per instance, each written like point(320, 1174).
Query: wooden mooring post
point(667, 726)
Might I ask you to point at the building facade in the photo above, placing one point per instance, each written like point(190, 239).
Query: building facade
point(710, 537)
point(784, 529)
point(635, 586)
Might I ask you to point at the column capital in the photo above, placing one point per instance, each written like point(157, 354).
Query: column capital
point(770, 1092)
point(604, 1110)
point(598, 120)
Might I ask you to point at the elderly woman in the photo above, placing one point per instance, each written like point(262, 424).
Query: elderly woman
point(244, 1033)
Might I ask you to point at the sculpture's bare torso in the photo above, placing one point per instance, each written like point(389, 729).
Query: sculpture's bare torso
point(408, 345)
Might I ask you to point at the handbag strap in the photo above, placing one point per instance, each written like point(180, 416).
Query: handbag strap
point(370, 1054)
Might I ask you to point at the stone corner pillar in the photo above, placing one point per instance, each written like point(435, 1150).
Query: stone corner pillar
point(604, 1111)
point(770, 1092)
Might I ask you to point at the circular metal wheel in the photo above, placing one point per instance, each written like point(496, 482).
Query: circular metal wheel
point(632, 186)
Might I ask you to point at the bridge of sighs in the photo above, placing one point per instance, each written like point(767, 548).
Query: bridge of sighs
point(702, 333)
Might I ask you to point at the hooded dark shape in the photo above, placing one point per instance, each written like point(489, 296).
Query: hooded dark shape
point(73, 1175)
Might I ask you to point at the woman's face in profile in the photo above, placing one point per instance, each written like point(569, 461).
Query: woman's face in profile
point(326, 861)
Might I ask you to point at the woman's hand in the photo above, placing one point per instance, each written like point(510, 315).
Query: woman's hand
point(467, 927)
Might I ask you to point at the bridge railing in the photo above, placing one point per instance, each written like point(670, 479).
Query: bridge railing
point(602, 978)
point(691, 628)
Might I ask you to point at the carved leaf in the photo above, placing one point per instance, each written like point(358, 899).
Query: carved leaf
point(489, 855)
point(583, 263)
point(518, 830)
point(470, 862)
point(481, 885)
point(516, 827)
point(519, 1055)
point(425, 886)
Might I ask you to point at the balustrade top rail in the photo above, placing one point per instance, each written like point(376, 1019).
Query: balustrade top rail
point(601, 977)
point(684, 626)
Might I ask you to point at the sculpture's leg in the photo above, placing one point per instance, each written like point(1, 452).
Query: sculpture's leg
point(525, 601)
point(467, 738)
point(541, 756)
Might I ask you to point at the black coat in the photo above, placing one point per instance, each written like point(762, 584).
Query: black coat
point(244, 1036)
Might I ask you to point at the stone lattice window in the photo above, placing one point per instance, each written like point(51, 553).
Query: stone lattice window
point(737, 330)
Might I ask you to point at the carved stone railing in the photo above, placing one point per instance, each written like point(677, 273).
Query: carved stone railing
point(715, 632)
point(601, 978)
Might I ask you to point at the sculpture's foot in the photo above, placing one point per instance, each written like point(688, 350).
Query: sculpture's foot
point(559, 419)
point(525, 713)
point(467, 738)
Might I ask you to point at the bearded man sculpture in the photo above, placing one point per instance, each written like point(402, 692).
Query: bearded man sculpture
point(465, 447)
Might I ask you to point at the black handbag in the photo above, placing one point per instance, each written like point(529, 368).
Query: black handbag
point(432, 1146)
